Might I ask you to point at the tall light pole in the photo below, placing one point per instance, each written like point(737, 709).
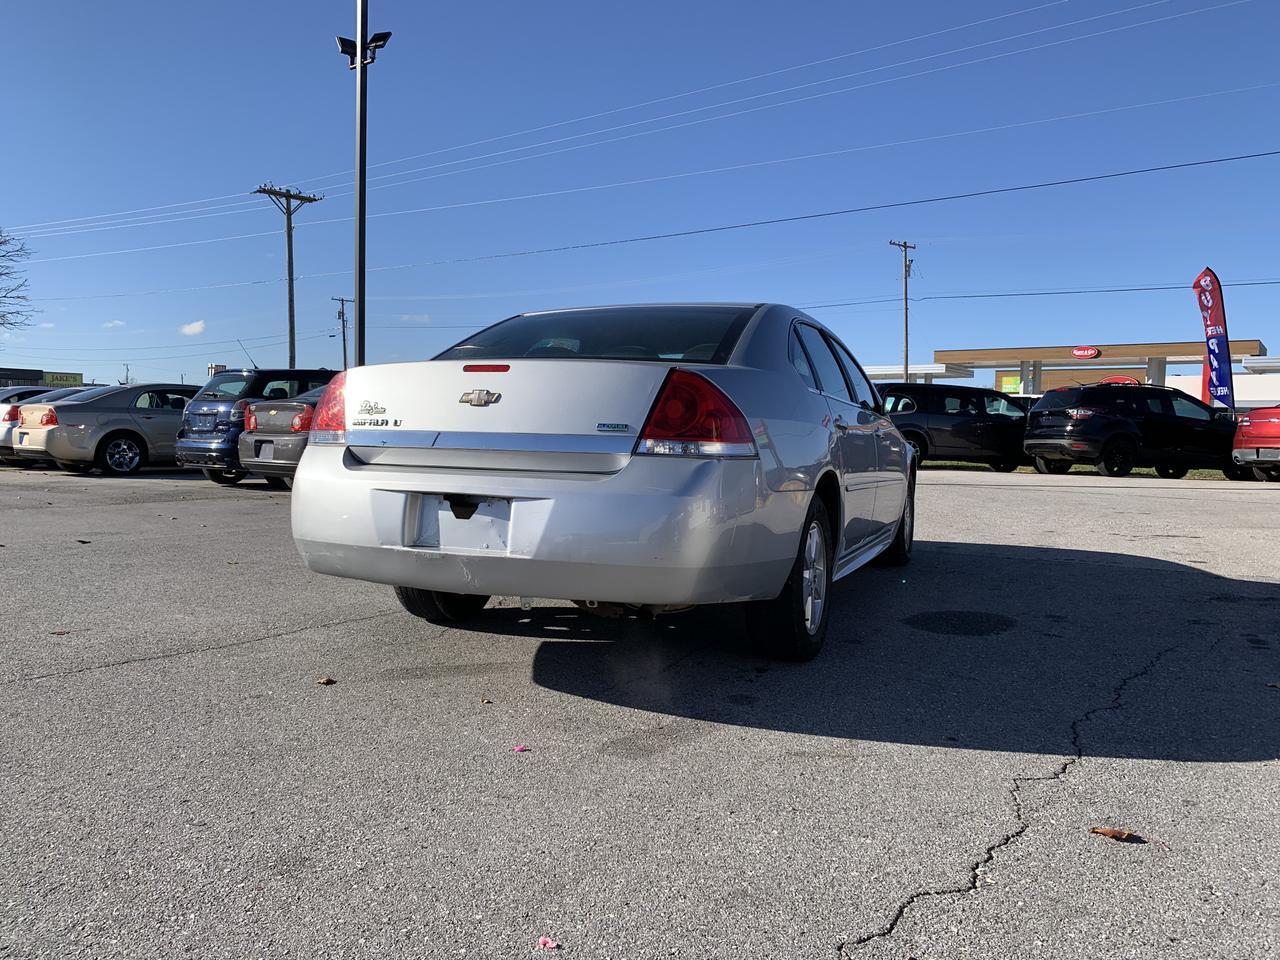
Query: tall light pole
point(361, 52)
point(906, 276)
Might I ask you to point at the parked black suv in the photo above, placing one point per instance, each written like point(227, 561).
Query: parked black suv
point(1122, 426)
point(958, 423)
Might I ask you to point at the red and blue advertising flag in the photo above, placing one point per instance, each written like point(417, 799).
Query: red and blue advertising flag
point(1218, 346)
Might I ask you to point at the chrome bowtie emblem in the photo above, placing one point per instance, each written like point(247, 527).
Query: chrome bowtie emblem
point(479, 398)
point(370, 407)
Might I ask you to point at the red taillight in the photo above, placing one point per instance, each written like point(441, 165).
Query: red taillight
point(486, 367)
point(1081, 413)
point(301, 422)
point(250, 420)
point(12, 415)
point(692, 417)
point(329, 420)
point(49, 418)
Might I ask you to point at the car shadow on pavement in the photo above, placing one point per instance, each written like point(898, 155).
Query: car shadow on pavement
point(989, 647)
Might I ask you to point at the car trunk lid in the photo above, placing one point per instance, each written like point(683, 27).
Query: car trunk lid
point(277, 416)
point(537, 415)
point(1263, 424)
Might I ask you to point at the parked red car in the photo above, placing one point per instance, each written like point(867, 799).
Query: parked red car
point(1257, 443)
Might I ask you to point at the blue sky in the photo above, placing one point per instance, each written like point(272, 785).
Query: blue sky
point(130, 105)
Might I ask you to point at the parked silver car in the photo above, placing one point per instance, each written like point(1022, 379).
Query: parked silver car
point(117, 429)
point(650, 456)
point(12, 416)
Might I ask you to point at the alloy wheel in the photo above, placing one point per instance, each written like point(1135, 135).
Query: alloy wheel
point(814, 576)
point(123, 455)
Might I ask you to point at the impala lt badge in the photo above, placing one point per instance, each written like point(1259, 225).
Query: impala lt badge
point(371, 408)
point(480, 398)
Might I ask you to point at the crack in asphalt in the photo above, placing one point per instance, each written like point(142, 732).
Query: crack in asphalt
point(186, 651)
point(1023, 824)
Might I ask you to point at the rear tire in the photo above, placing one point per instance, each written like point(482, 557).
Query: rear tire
point(442, 609)
point(1005, 466)
point(226, 478)
point(899, 552)
point(1055, 467)
point(120, 454)
point(917, 443)
point(276, 483)
point(793, 625)
point(1235, 471)
point(1171, 471)
point(1119, 455)
point(1266, 474)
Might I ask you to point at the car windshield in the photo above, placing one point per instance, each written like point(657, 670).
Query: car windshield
point(227, 386)
point(92, 394)
point(696, 334)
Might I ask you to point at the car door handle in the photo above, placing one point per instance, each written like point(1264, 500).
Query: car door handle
point(841, 424)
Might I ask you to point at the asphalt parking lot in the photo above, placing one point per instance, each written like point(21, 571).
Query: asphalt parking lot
point(1062, 653)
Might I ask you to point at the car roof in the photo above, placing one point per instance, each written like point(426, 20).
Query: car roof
point(675, 305)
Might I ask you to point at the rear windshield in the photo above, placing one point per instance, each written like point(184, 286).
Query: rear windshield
point(92, 394)
point(695, 334)
point(1058, 399)
point(53, 395)
point(226, 386)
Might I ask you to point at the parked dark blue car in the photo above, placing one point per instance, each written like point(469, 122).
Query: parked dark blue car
point(214, 419)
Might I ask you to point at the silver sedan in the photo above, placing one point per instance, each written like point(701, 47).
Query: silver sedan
point(646, 457)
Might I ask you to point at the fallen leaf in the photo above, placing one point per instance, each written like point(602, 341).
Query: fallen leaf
point(520, 748)
point(84, 541)
point(546, 943)
point(1120, 836)
point(326, 681)
point(485, 700)
point(58, 633)
point(233, 562)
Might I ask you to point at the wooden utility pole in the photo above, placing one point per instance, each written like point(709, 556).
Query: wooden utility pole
point(287, 201)
point(342, 322)
point(906, 276)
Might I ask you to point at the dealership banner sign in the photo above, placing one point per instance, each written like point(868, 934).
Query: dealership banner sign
point(1217, 345)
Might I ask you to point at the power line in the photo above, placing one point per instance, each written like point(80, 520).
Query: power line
point(177, 356)
point(828, 93)
point(560, 123)
point(1038, 293)
point(751, 164)
point(794, 219)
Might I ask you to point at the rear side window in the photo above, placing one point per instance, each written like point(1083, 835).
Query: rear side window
point(800, 361)
point(998, 406)
point(898, 403)
point(830, 377)
point(692, 334)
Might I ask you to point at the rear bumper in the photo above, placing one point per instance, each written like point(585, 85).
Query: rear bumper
point(1076, 449)
point(659, 531)
point(1259, 452)
point(218, 454)
point(53, 443)
point(286, 451)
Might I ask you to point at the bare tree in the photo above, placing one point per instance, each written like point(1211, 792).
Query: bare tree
point(15, 305)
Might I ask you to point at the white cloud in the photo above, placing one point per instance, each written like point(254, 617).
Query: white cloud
point(45, 326)
point(193, 329)
point(112, 324)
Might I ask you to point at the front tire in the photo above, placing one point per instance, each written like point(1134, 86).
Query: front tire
point(74, 466)
point(1119, 455)
point(442, 609)
point(1055, 467)
point(1236, 471)
point(121, 455)
point(1005, 466)
point(1171, 472)
point(225, 478)
point(793, 625)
